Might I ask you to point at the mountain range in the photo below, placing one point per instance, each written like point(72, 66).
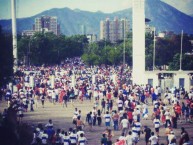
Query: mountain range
point(163, 16)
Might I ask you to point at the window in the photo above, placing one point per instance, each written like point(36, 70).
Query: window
point(191, 82)
point(181, 82)
point(150, 82)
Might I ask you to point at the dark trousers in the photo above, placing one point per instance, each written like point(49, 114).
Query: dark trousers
point(167, 122)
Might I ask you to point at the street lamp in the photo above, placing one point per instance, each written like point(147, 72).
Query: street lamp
point(28, 52)
point(154, 49)
point(181, 51)
point(124, 43)
point(115, 57)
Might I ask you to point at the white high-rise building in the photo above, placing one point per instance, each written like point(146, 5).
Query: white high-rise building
point(113, 30)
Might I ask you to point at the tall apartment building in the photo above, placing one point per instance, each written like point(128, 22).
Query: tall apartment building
point(83, 29)
point(47, 24)
point(44, 24)
point(114, 30)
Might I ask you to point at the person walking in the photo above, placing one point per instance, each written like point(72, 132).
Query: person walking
point(125, 124)
point(107, 117)
point(153, 139)
point(147, 132)
point(99, 119)
point(115, 118)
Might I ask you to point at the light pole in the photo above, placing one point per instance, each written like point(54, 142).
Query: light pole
point(154, 49)
point(14, 35)
point(114, 59)
point(181, 51)
point(124, 43)
point(28, 53)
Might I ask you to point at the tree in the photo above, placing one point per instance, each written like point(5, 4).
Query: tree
point(49, 49)
point(6, 58)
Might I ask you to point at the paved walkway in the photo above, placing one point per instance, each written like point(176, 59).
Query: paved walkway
point(62, 118)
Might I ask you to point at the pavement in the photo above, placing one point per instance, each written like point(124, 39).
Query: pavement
point(62, 118)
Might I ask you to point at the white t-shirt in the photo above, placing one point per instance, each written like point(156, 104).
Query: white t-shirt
point(129, 140)
point(44, 138)
point(120, 103)
point(80, 132)
point(66, 140)
point(156, 123)
point(138, 126)
point(170, 137)
point(134, 132)
point(124, 123)
point(107, 117)
point(153, 139)
point(167, 114)
point(82, 141)
point(73, 138)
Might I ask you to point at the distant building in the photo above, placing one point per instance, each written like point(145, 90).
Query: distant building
point(47, 24)
point(28, 32)
point(91, 38)
point(149, 29)
point(161, 35)
point(83, 29)
point(113, 30)
point(44, 24)
point(166, 34)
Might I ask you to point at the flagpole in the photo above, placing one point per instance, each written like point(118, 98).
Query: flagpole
point(154, 50)
point(181, 51)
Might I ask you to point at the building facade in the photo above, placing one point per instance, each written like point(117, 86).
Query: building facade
point(44, 24)
point(91, 38)
point(47, 24)
point(114, 30)
point(28, 33)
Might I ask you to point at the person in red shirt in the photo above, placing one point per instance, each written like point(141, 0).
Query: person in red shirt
point(130, 116)
point(109, 95)
point(178, 110)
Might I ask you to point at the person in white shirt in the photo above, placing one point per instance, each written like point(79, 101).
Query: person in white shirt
point(168, 117)
point(156, 122)
point(120, 104)
point(138, 112)
point(82, 140)
point(80, 131)
point(49, 124)
point(56, 93)
point(107, 117)
point(73, 138)
point(128, 138)
point(153, 139)
point(66, 139)
point(124, 123)
point(53, 97)
point(49, 93)
point(171, 137)
point(135, 135)
point(44, 138)
point(138, 126)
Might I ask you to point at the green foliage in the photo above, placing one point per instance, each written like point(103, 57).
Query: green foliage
point(167, 51)
point(187, 62)
point(6, 58)
point(48, 49)
point(108, 53)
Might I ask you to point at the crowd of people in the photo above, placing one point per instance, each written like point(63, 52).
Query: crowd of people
point(121, 105)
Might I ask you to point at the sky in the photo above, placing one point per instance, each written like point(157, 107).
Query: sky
point(26, 8)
